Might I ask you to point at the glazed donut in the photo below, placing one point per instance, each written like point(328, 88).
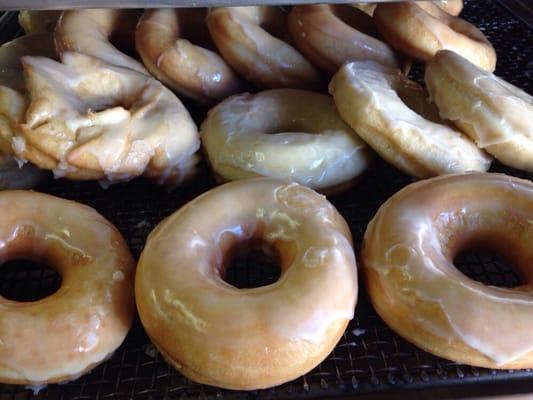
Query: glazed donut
point(68, 333)
point(242, 35)
point(88, 32)
point(330, 35)
point(38, 21)
point(245, 339)
point(391, 114)
point(316, 148)
point(408, 253)
point(420, 29)
point(92, 117)
point(191, 70)
point(495, 114)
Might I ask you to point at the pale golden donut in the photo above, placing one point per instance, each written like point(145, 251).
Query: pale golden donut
point(255, 338)
point(191, 70)
point(88, 31)
point(420, 29)
point(242, 36)
point(330, 35)
point(38, 21)
point(290, 134)
point(91, 116)
point(71, 331)
point(495, 114)
point(391, 114)
point(408, 253)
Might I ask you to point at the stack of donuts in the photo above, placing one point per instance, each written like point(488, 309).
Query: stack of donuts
point(296, 99)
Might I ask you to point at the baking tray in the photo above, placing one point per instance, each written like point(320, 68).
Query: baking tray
point(370, 361)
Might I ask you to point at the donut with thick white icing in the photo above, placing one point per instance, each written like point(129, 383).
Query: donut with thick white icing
point(408, 252)
point(290, 134)
point(247, 339)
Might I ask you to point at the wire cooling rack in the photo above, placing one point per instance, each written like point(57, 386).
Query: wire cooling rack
point(369, 361)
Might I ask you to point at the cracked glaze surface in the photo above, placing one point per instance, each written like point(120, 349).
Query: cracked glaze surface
point(61, 336)
point(248, 337)
point(410, 245)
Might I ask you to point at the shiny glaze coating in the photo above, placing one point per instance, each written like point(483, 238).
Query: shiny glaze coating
point(254, 338)
point(495, 114)
point(330, 35)
point(392, 114)
point(64, 335)
point(96, 120)
point(420, 29)
point(253, 41)
point(408, 253)
point(87, 31)
point(290, 134)
point(191, 70)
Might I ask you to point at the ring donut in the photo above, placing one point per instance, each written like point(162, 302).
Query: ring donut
point(191, 70)
point(420, 29)
point(284, 133)
point(391, 114)
point(408, 253)
point(330, 35)
point(495, 114)
point(246, 339)
point(68, 333)
point(86, 115)
point(88, 32)
point(242, 35)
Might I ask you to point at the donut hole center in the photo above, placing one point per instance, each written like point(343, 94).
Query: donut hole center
point(25, 280)
point(488, 266)
point(415, 98)
point(251, 264)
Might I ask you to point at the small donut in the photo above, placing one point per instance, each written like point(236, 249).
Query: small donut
point(330, 35)
point(391, 114)
point(245, 339)
point(38, 21)
point(284, 133)
point(251, 40)
point(495, 114)
point(89, 116)
point(88, 31)
point(420, 29)
point(191, 70)
point(408, 253)
point(68, 333)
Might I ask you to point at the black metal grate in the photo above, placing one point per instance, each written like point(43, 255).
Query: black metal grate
point(370, 358)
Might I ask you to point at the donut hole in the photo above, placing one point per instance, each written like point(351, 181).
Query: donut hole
point(25, 280)
point(356, 19)
point(488, 267)
point(416, 98)
point(251, 264)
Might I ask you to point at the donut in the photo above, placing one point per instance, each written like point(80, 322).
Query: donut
point(408, 253)
point(66, 334)
point(495, 114)
point(391, 114)
point(330, 35)
point(33, 21)
point(88, 31)
point(96, 120)
point(188, 69)
point(251, 40)
point(290, 134)
point(420, 29)
point(244, 339)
